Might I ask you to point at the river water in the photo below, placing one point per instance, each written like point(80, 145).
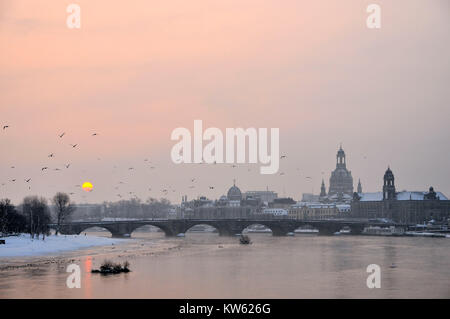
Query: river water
point(205, 265)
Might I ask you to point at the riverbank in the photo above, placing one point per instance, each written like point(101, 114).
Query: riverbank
point(22, 245)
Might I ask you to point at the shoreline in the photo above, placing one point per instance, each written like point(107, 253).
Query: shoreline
point(22, 245)
point(124, 248)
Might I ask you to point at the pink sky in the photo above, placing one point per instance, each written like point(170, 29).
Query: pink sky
point(136, 71)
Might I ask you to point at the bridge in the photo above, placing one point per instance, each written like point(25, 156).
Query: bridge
point(225, 227)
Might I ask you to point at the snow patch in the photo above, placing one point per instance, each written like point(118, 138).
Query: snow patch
point(23, 245)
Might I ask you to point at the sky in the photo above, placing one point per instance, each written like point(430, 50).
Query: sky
point(137, 70)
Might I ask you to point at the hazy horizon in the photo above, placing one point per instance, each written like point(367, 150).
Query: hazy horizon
point(135, 72)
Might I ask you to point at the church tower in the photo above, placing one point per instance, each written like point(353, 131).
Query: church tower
point(389, 186)
point(323, 192)
point(359, 186)
point(340, 158)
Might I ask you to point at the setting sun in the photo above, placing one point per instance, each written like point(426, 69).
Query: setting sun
point(87, 186)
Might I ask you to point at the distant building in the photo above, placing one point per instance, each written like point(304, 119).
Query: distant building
point(303, 210)
point(285, 202)
point(341, 180)
point(233, 205)
point(341, 183)
point(275, 211)
point(234, 196)
point(308, 197)
point(264, 196)
point(404, 207)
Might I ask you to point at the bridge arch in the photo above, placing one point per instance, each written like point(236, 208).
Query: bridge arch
point(149, 228)
point(88, 228)
point(278, 229)
point(192, 224)
point(168, 231)
point(246, 229)
point(189, 228)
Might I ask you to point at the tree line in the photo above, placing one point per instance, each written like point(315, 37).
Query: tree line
point(34, 215)
point(131, 208)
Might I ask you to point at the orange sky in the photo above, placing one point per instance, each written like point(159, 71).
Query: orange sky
point(136, 71)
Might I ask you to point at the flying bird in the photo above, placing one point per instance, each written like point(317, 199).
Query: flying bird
point(13, 180)
point(28, 180)
point(282, 156)
point(211, 187)
point(67, 166)
point(73, 145)
point(61, 135)
point(95, 134)
point(5, 127)
point(44, 168)
point(51, 155)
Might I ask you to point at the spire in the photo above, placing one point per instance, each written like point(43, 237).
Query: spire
point(359, 186)
point(323, 192)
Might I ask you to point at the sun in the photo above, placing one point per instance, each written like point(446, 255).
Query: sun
point(87, 186)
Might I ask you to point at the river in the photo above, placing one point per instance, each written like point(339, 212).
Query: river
point(205, 265)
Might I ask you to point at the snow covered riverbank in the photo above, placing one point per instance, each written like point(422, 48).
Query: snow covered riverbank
point(23, 245)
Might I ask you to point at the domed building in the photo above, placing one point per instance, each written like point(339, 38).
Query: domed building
point(234, 195)
point(341, 180)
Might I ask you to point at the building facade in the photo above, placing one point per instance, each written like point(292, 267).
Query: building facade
point(411, 207)
point(313, 211)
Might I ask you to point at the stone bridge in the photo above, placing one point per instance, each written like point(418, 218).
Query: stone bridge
point(225, 227)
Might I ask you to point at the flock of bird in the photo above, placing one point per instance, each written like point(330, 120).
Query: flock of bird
point(44, 168)
point(163, 191)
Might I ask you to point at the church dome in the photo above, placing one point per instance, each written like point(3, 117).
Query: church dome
point(234, 193)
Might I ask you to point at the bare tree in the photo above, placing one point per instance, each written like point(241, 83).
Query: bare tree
point(38, 214)
point(63, 208)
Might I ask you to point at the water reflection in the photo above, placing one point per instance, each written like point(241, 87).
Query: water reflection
point(304, 266)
